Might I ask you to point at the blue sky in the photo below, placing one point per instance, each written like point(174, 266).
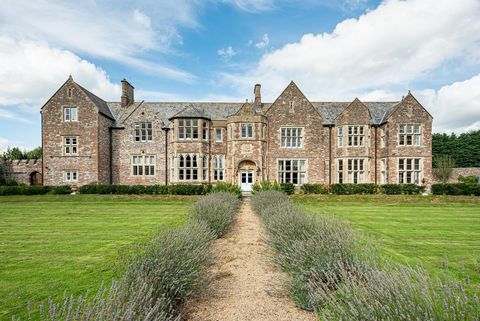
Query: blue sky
point(216, 50)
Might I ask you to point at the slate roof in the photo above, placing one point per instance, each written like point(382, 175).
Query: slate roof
point(220, 111)
point(101, 104)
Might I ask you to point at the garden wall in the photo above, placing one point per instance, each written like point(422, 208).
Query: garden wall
point(24, 171)
point(463, 171)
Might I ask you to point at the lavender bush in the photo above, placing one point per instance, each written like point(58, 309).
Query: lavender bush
point(166, 270)
point(337, 273)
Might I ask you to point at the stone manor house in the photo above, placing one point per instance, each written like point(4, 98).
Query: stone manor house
point(87, 140)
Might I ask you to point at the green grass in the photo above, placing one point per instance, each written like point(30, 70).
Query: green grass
point(415, 229)
point(55, 243)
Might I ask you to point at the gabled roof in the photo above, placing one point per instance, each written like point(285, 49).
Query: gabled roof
point(190, 111)
point(99, 102)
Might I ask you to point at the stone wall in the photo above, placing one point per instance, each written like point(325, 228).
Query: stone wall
point(24, 171)
point(465, 171)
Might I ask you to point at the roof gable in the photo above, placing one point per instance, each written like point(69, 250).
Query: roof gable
point(406, 99)
point(190, 111)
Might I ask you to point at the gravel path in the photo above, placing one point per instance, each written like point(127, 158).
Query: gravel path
point(245, 285)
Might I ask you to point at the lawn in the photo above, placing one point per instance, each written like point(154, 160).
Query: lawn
point(55, 243)
point(430, 231)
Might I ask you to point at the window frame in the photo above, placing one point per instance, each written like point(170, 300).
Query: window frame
point(143, 133)
point(190, 132)
point(301, 171)
point(340, 136)
point(218, 167)
point(284, 136)
point(249, 127)
point(416, 175)
point(70, 119)
point(70, 145)
point(356, 135)
point(404, 134)
point(141, 168)
point(356, 170)
point(71, 173)
point(185, 166)
point(218, 130)
point(383, 171)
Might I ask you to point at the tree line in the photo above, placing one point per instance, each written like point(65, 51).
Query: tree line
point(13, 153)
point(464, 149)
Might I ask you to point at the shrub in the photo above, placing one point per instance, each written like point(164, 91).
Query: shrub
point(226, 187)
point(24, 190)
point(347, 189)
point(163, 273)
point(180, 189)
point(397, 293)
point(287, 188)
point(315, 189)
point(266, 186)
point(61, 190)
point(187, 189)
point(396, 189)
point(468, 179)
point(306, 247)
point(217, 210)
point(456, 189)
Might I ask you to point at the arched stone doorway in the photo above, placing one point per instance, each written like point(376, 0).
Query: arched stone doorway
point(35, 178)
point(246, 175)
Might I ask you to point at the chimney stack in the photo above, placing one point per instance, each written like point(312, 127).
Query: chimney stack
point(258, 96)
point(127, 94)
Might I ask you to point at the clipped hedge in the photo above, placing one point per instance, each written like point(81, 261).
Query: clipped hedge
point(34, 190)
point(179, 189)
point(348, 189)
point(456, 189)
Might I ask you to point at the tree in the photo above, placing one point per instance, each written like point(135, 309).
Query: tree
point(443, 168)
point(13, 153)
point(464, 148)
point(35, 153)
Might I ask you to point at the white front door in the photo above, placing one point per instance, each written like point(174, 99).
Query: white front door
point(246, 180)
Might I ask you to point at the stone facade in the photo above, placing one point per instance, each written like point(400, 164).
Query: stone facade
point(289, 140)
point(24, 171)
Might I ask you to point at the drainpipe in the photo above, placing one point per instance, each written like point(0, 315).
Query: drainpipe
point(166, 129)
point(330, 154)
point(375, 156)
point(110, 167)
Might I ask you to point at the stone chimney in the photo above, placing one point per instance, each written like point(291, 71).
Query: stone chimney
point(127, 93)
point(258, 96)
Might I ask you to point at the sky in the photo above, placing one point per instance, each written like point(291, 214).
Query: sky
point(216, 50)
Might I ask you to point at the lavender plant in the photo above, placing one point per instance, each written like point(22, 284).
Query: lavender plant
point(167, 269)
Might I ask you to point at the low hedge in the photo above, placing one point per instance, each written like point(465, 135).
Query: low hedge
point(456, 189)
point(180, 189)
point(287, 188)
point(348, 189)
point(34, 190)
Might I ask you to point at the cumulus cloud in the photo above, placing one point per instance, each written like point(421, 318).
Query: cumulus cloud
point(456, 107)
point(31, 71)
point(105, 29)
point(226, 53)
point(264, 42)
point(395, 43)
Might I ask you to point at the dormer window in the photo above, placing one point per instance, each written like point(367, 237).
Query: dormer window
point(246, 131)
point(187, 129)
point(70, 114)
point(409, 135)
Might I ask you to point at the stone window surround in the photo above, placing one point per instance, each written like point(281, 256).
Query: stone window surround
point(192, 170)
point(217, 131)
point(218, 161)
point(249, 129)
point(348, 170)
point(415, 137)
point(143, 132)
point(383, 137)
point(414, 171)
point(383, 171)
point(299, 138)
point(70, 142)
point(70, 175)
point(356, 131)
point(301, 179)
point(67, 116)
point(340, 136)
point(142, 165)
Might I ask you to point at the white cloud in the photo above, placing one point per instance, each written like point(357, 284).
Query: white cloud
point(5, 143)
point(108, 30)
point(264, 42)
point(226, 53)
point(455, 107)
point(30, 72)
point(392, 45)
point(252, 5)
point(9, 115)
